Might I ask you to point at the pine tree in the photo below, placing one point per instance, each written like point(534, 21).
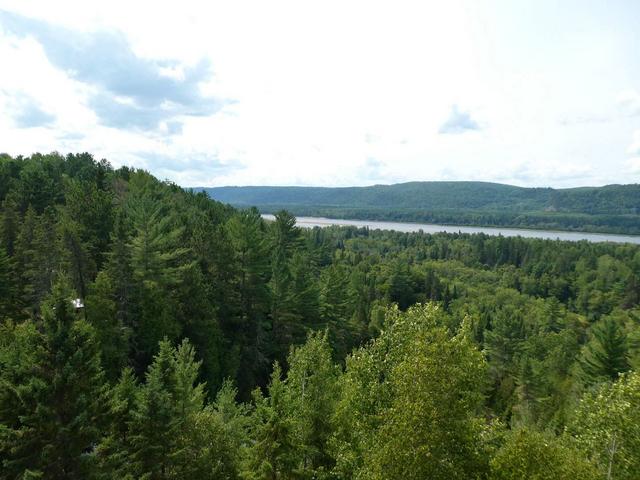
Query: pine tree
point(159, 262)
point(121, 272)
point(61, 411)
point(76, 255)
point(112, 335)
point(305, 299)
point(26, 259)
point(151, 429)
point(605, 356)
point(113, 452)
point(271, 455)
point(251, 266)
point(335, 307)
point(312, 394)
point(169, 434)
point(9, 226)
point(285, 240)
point(8, 294)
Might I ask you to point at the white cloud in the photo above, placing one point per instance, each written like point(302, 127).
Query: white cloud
point(630, 101)
point(458, 122)
point(328, 93)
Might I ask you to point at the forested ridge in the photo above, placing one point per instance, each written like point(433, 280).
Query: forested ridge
point(612, 208)
point(148, 331)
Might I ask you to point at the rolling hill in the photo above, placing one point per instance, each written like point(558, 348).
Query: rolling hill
point(612, 208)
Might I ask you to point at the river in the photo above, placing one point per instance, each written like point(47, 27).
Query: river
point(310, 222)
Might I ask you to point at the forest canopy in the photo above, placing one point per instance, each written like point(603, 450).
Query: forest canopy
point(148, 331)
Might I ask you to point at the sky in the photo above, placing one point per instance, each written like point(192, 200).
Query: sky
point(331, 93)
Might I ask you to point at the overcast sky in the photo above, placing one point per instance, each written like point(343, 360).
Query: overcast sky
point(532, 93)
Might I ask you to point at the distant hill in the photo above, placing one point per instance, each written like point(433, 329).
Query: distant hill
point(612, 208)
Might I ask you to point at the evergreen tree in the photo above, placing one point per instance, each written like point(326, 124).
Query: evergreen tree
point(605, 356)
point(305, 300)
point(250, 331)
point(111, 334)
point(9, 226)
point(26, 259)
point(311, 395)
point(171, 434)
point(77, 259)
point(121, 273)
point(60, 412)
point(271, 455)
point(8, 296)
point(113, 452)
point(159, 263)
point(335, 307)
point(285, 240)
point(152, 436)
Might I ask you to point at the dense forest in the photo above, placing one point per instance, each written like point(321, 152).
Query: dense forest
point(150, 332)
point(613, 208)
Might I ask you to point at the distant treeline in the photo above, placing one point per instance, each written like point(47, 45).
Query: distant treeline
point(613, 208)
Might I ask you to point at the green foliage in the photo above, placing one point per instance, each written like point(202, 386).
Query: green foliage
point(52, 416)
point(162, 429)
point(606, 426)
point(605, 356)
point(311, 396)
point(271, 455)
point(111, 334)
point(536, 456)
point(515, 331)
point(411, 403)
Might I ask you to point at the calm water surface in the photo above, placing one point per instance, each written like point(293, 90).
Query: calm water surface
point(310, 222)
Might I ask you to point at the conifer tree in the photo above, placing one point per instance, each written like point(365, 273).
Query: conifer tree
point(271, 455)
point(26, 259)
point(152, 436)
point(335, 307)
point(8, 295)
point(605, 356)
point(285, 240)
point(251, 265)
point(61, 412)
point(112, 335)
point(9, 226)
point(312, 394)
point(121, 273)
point(159, 262)
point(113, 452)
point(77, 259)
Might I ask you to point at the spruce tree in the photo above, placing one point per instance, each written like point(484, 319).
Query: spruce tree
point(248, 328)
point(8, 295)
point(271, 455)
point(152, 436)
point(58, 422)
point(113, 452)
point(112, 335)
point(312, 395)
